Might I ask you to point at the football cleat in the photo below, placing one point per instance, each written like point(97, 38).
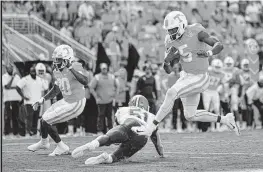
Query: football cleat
point(61, 148)
point(39, 145)
point(103, 158)
point(231, 123)
point(79, 151)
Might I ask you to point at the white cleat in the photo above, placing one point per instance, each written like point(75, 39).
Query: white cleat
point(101, 159)
point(39, 145)
point(231, 123)
point(61, 148)
point(79, 151)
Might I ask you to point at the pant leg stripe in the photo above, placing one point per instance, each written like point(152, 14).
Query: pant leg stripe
point(192, 86)
point(71, 115)
point(52, 120)
point(202, 84)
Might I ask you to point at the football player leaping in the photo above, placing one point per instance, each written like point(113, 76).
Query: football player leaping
point(190, 42)
point(69, 81)
point(127, 118)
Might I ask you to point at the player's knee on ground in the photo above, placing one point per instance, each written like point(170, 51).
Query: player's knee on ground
point(117, 135)
point(128, 149)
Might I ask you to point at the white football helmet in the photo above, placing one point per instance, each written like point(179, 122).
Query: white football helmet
point(217, 65)
point(245, 65)
point(40, 69)
point(175, 23)
point(229, 62)
point(62, 55)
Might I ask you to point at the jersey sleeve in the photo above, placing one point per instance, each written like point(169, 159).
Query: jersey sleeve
point(197, 27)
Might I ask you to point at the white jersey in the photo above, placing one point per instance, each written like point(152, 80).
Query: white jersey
point(141, 115)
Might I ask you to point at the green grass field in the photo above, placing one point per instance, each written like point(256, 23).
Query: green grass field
point(183, 152)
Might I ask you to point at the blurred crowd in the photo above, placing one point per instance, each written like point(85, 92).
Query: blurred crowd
point(115, 24)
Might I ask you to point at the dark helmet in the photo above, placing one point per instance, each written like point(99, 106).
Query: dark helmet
point(139, 101)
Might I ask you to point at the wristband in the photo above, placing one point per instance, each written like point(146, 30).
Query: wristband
point(155, 122)
point(209, 53)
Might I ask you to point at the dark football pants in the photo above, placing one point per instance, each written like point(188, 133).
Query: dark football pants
point(11, 113)
point(130, 142)
point(105, 111)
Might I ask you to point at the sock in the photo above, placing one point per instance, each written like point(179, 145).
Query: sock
point(204, 116)
point(103, 140)
point(110, 159)
point(223, 119)
point(95, 143)
point(52, 131)
point(45, 140)
point(61, 143)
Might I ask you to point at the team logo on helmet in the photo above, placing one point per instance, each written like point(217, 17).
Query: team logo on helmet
point(253, 47)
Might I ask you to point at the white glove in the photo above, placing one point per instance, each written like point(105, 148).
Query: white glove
point(38, 103)
point(144, 130)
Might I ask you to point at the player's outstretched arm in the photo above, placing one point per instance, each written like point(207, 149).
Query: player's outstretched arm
point(52, 93)
point(155, 137)
point(212, 41)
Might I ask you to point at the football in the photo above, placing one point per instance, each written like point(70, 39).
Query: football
point(172, 55)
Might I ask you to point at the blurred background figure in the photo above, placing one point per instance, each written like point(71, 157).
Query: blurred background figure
point(105, 88)
point(11, 100)
point(31, 88)
point(121, 76)
point(146, 86)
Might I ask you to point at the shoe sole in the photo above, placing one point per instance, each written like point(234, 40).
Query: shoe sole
point(65, 153)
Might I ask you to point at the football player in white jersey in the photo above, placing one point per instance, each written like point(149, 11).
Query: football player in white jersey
point(127, 119)
point(211, 98)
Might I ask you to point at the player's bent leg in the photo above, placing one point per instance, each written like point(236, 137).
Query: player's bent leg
point(186, 85)
point(44, 142)
point(128, 149)
point(117, 134)
point(191, 114)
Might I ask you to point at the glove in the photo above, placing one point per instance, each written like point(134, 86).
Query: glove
point(38, 103)
point(171, 54)
point(144, 130)
point(167, 68)
point(204, 53)
point(69, 64)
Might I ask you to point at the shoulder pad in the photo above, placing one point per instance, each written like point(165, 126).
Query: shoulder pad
point(197, 27)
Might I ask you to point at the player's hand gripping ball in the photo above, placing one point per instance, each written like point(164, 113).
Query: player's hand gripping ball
point(172, 54)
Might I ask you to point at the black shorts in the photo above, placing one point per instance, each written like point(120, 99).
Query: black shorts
point(130, 142)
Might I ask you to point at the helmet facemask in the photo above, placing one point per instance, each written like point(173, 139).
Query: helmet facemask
point(60, 63)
